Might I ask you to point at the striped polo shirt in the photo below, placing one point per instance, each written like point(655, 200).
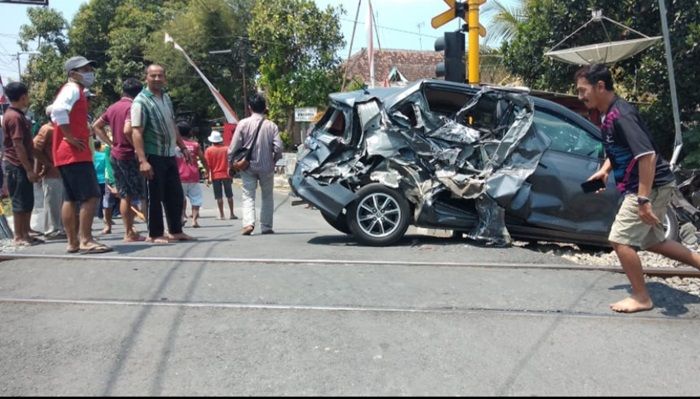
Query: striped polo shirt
point(155, 115)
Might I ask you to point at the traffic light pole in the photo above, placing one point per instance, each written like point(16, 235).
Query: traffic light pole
point(473, 55)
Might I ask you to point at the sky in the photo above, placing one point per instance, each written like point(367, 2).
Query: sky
point(401, 24)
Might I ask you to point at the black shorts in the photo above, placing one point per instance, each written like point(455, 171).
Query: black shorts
point(128, 178)
point(19, 187)
point(226, 185)
point(79, 182)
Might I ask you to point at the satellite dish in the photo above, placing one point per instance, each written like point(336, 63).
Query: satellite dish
point(602, 53)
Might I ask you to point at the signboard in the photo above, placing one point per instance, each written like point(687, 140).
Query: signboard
point(304, 114)
point(30, 2)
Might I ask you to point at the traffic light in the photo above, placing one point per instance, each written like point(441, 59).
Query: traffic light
point(453, 68)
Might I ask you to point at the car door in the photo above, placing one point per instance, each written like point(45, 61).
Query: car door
point(556, 200)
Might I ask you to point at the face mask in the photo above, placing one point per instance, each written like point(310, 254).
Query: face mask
point(88, 78)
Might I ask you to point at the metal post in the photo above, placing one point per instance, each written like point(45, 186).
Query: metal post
point(473, 69)
point(678, 142)
point(19, 70)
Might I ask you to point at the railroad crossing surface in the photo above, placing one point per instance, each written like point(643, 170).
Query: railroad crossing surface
point(307, 311)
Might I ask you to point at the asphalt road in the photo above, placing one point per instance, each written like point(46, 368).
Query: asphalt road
point(308, 312)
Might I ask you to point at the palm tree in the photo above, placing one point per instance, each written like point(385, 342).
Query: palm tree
point(504, 19)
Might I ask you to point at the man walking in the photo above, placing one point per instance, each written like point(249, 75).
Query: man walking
point(266, 150)
point(129, 182)
point(217, 159)
point(51, 181)
point(19, 161)
point(642, 176)
point(155, 139)
point(73, 156)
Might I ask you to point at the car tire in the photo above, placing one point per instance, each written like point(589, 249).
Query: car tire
point(379, 216)
point(340, 223)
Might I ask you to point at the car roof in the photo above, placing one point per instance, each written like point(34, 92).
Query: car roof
point(390, 96)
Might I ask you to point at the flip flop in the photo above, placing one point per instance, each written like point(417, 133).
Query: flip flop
point(72, 250)
point(95, 248)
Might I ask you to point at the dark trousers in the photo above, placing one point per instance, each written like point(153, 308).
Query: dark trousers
point(165, 189)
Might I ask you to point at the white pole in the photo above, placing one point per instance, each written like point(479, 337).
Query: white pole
point(678, 142)
point(370, 38)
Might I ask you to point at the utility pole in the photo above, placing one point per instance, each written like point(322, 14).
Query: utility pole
point(245, 85)
point(19, 68)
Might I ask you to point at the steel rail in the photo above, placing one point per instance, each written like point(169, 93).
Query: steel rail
point(664, 272)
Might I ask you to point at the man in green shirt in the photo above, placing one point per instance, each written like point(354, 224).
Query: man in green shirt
point(155, 140)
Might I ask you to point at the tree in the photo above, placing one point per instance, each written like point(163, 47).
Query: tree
point(643, 78)
point(298, 45)
point(201, 27)
point(44, 74)
point(116, 33)
point(504, 20)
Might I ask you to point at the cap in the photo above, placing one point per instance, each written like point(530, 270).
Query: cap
point(77, 62)
point(215, 137)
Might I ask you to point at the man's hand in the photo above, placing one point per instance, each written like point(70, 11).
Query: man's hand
point(600, 175)
point(32, 177)
point(146, 170)
point(75, 142)
point(647, 214)
point(41, 170)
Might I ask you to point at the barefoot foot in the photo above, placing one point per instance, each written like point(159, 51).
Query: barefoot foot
point(632, 305)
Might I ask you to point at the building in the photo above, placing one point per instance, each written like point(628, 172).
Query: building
point(392, 67)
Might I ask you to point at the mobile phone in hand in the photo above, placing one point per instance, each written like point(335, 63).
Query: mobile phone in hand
point(592, 186)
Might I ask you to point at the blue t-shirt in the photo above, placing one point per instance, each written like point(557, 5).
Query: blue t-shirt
point(99, 158)
point(627, 139)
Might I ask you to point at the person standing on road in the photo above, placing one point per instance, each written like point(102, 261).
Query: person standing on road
point(155, 139)
point(51, 181)
point(19, 161)
point(189, 173)
point(217, 159)
point(129, 182)
point(266, 151)
point(642, 176)
point(72, 155)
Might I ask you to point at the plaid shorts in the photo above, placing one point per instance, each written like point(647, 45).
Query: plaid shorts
point(128, 178)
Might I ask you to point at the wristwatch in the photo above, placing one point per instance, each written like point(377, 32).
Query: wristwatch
point(642, 200)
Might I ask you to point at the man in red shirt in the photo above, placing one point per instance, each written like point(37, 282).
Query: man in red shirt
point(73, 158)
point(218, 173)
point(19, 160)
point(130, 184)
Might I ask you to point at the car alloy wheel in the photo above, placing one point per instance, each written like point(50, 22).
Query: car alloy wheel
point(379, 215)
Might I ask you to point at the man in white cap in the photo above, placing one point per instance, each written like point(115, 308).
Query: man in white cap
point(218, 173)
point(72, 156)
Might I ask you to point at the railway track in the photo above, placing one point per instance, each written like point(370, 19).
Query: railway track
point(663, 272)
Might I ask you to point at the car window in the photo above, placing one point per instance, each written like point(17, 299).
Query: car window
point(334, 122)
point(567, 137)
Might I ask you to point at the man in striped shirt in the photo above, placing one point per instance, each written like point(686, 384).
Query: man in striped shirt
point(267, 150)
point(155, 139)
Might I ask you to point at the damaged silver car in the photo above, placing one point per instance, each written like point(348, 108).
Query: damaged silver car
point(489, 163)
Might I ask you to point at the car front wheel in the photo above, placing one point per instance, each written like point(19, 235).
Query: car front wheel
point(379, 216)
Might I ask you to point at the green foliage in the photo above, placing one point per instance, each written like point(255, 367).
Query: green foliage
point(44, 74)
point(642, 78)
point(201, 27)
point(297, 44)
point(286, 140)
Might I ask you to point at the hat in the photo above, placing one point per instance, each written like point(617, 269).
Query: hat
point(77, 62)
point(215, 137)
